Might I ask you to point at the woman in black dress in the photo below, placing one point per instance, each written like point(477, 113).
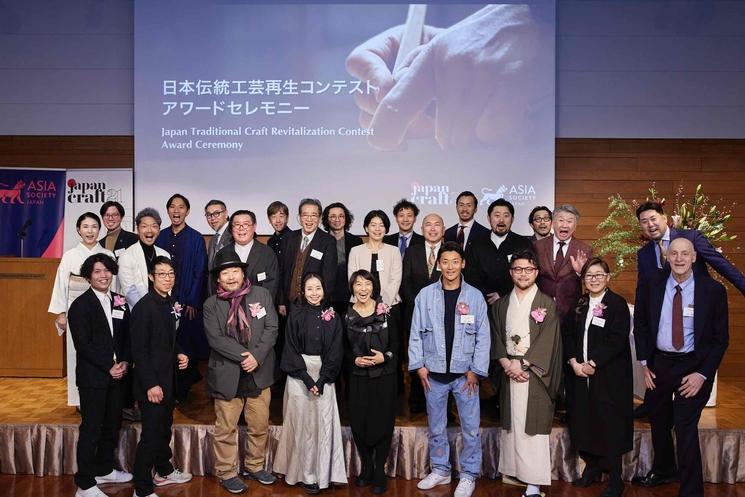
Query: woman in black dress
point(372, 385)
point(601, 418)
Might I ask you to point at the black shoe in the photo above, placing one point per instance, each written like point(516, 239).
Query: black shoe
point(589, 477)
point(641, 412)
point(613, 490)
point(311, 488)
point(262, 476)
point(234, 485)
point(362, 482)
point(654, 479)
point(379, 489)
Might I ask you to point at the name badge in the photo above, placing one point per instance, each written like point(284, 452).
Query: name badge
point(688, 312)
point(598, 321)
point(261, 277)
point(467, 319)
point(379, 266)
point(261, 313)
point(316, 254)
point(117, 314)
point(118, 252)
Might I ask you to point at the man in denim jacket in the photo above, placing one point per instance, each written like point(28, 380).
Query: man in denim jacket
point(449, 349)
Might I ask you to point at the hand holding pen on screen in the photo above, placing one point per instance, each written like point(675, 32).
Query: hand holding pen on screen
point(476, 72)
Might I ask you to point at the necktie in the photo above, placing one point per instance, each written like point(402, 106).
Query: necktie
point(402, 245)
point(431, 261)
point(461, 237)
point(678, 318)
point(213, 246)
point(663, 256)
point(305, 244)
point(559, 256)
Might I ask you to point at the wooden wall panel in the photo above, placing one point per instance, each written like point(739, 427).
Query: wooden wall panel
point(588, 171)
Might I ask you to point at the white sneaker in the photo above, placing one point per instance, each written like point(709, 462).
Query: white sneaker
point(94, 491)
point(115, 476)
point(465, 488)
point(432, 480)
point(175, 477)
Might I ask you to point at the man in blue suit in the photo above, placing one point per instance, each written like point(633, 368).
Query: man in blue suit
point(681, 336)
point(651, 259)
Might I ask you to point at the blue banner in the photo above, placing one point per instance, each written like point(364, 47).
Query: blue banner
point(32, 207)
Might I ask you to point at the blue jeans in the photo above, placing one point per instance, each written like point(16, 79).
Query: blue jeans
point(469, 411)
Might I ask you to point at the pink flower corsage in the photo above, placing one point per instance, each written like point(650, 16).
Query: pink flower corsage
point(176, 310)
point(119, 301)
point(597, 311)
point(382, 308)
point(255, 309)
point(463, 309)
point(539, 314)
point(328, 314)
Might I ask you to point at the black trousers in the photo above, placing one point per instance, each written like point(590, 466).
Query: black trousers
point(682, 414)
point(372, 415)
point(611, 464)
point(101, 411)
point(154, 448)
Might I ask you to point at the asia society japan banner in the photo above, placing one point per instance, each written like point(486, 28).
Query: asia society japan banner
point(32, 203)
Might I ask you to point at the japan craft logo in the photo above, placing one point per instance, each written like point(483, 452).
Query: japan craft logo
point(12, 195)
point(518, 194)
point(422, 194)
point(85, 192)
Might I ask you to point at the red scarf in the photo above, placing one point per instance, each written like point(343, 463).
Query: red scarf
point(237, 319)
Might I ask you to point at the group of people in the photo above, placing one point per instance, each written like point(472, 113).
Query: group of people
point(455, 307)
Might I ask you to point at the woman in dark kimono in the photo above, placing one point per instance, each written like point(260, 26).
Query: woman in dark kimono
point(310, 448)
point(372, 385)
point(601, 409)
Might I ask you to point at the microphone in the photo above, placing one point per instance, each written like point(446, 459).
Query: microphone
point(22, 231)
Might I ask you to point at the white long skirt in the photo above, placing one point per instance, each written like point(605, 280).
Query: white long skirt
point(525, 457)
point(310, 445)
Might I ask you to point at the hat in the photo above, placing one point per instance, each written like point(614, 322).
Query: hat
point(225, 259)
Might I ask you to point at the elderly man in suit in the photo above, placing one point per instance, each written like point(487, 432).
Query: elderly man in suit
point(681, 336)
point(307, 250)
point(117, 240)
point(467, 229)
point(216, 214)
point(261, 263)
point(136, 261)
point(560, 259)
point(99, 322)
point(241, 326)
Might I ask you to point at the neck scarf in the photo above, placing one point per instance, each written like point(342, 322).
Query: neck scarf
point(237, 319)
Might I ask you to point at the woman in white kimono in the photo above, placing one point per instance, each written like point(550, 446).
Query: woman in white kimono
point(68, 285)
point(310, 448)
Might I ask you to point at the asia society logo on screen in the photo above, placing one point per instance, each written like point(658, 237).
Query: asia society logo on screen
point(85, 192)
point(36, 192)
point(517, 194)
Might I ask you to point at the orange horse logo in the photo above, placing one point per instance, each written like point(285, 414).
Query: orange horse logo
point(12, 194)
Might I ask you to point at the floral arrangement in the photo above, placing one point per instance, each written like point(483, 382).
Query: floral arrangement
point(119, 301)
point(255, 309)
point(622, 236)
point(539, 314)
point(382, 309)
point(176, 310)
point(597, 311)
point(463, 308)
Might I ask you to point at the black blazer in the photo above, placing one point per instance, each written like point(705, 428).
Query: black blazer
point(488, 268)
point(94, 344)
point(478, 232)
point(123, 241)
point(601, 410)
point(392, 239)
point(261, 261)
point(415, 275)
point(326, 266)
point(341, 288)
point(710, 322)
point(154, 346)
point(274, 242)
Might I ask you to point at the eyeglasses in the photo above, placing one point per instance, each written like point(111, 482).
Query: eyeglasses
point(597, 276)
point(112, 216)
point(521, 270)
point(541, 219)
point(165, 276)
point(243, 227)
point(309, 216)
point(210, 215)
